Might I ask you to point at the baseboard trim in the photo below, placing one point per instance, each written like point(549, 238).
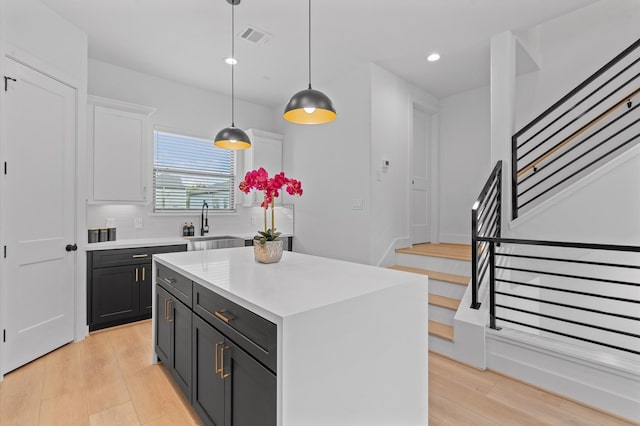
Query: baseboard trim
point(591, 382)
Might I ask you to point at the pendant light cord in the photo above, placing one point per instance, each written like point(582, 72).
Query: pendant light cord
point(233, 57)
point(309, 44)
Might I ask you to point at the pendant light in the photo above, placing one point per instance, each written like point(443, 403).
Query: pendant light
point(232, 137)
point(309, 106)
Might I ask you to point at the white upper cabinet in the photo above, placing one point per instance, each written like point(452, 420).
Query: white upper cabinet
point(266, 152)
point(119, 151)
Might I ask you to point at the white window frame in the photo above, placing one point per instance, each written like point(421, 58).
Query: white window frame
point(195, 173)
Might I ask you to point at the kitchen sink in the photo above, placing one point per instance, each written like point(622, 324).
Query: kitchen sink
point(214, 242)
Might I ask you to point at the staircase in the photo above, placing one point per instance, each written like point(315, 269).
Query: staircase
point(448, 267)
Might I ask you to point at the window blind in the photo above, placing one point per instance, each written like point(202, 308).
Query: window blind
point(188, 171)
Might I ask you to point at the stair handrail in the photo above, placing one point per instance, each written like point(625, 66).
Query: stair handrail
point(564, 146)
point(485, 222)
point(543, 297)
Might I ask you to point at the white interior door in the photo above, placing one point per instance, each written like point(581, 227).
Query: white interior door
point(38, 192)
point(419, 178)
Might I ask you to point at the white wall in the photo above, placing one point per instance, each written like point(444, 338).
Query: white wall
point(183, 108)
point(392, 102)
point(341, 161)
point(465, 157)
point(32, 28)
point(332, 162)
point(606, 209)
point(573, 47)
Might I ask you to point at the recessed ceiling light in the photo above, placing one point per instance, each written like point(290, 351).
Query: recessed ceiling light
point(231, 61)
point(433, 57)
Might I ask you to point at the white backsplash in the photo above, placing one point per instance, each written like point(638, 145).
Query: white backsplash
point(158, 225)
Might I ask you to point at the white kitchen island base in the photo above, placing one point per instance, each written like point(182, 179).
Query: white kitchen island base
point(352, 344)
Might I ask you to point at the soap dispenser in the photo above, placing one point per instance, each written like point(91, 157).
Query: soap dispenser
point(192, 230)
point(185, 230)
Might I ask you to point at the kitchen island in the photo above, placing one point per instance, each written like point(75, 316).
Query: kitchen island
point(306, 341)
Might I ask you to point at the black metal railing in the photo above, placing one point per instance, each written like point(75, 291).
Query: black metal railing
point(485, 222)
point(587, 292)
point(590, 125)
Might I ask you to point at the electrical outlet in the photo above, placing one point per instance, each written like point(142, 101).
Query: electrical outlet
point(138, 223)
point(356, 204)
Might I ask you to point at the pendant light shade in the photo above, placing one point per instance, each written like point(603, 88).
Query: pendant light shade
point(309, 106)
point(232, 137)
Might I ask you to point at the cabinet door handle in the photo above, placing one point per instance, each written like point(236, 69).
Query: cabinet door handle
point(218, 369)
point(138, 256)
point(223, 375)
point(143, 273)
point(136, 274)
point(167, 310)
point(221, 316)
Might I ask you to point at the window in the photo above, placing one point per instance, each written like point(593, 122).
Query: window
point(188, 171)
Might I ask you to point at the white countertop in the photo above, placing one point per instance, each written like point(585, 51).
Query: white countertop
point(163, 241)
point(298, 283)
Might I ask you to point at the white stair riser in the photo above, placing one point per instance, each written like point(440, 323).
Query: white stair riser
point(440, 314)
point(440, 264)
point(442, 288)
point(441, 346)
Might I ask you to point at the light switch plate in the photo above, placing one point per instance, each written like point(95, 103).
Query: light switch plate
point(138, 223)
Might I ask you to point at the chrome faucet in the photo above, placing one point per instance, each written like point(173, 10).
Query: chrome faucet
point(204, 219)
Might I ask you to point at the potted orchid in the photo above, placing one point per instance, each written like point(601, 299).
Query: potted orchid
point(267, 244)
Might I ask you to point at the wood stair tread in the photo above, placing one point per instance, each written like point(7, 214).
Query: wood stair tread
point(435, 275)
point(444, 302)
point(441, 330)
point(446, 250)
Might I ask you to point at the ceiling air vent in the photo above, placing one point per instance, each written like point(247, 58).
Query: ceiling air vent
point(255, 35)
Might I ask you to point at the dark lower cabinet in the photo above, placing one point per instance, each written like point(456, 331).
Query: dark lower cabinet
point(221, 355)
point(115, 294)
point(119, 285)
point(238, 390)
point(173, 338)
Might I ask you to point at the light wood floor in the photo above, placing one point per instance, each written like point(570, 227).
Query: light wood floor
point(448, 250)
point(108, 379)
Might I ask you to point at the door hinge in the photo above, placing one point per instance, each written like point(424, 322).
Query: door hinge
point(6, 79)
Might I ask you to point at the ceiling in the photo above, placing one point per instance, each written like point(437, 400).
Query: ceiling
point(187, 40)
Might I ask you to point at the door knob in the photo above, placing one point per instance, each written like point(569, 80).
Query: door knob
point(70, 247)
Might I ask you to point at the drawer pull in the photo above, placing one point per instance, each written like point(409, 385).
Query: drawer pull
point(221, 316)
point(170, 280)
point(138, 256)
point(223, 375)
point(218, 369)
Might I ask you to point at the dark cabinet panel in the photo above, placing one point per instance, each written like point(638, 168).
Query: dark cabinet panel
point(145, 284)
point(250, 397)
point(208, 387)
point(229, 386)
point(173, 338)
point(115, 294)
point(181, 346)
point(256, 335)
point(163, 325)
point(119, 285)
